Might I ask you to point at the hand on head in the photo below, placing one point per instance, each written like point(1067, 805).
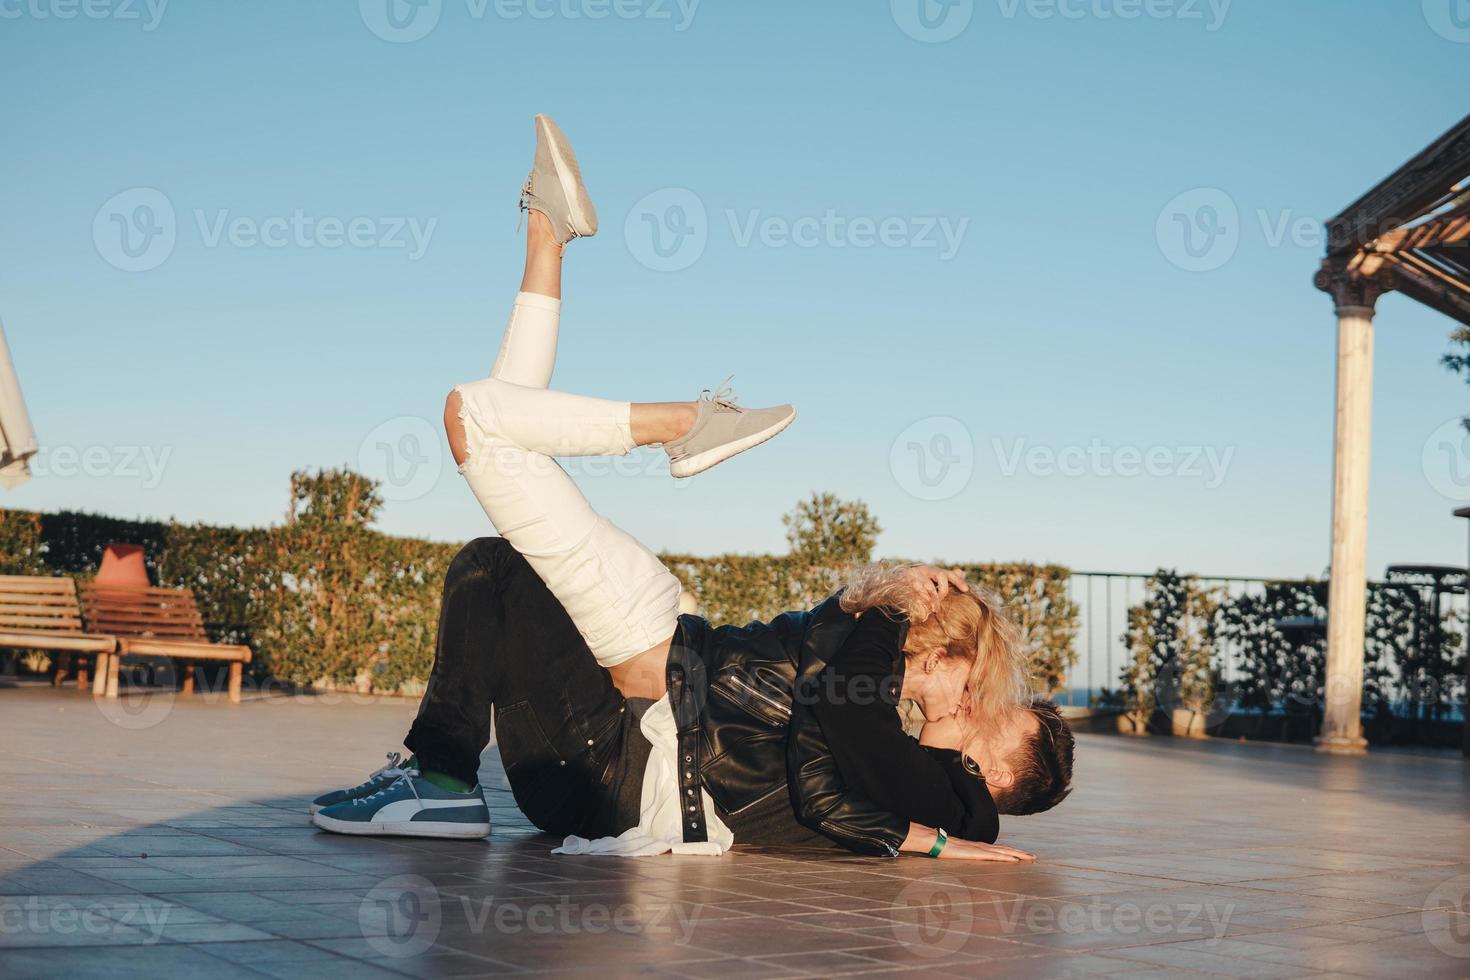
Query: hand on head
point(932, 584)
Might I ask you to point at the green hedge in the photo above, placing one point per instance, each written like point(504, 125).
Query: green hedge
point(325, 599)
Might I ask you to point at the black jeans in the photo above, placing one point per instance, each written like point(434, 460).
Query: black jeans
point(568, 741)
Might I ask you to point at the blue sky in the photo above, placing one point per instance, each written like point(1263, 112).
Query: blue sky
point(963, 259)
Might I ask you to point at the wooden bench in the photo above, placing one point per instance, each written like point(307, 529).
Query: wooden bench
point(157, 622)
point(41, 613)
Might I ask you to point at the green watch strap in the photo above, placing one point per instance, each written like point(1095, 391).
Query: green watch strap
point(939, 844)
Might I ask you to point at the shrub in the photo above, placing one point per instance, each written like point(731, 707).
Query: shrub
point(324, 598)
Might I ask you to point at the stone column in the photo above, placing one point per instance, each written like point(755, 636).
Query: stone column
point(1355, 298)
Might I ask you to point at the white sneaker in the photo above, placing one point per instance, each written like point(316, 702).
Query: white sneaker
point(555, 186)
point(724, 429)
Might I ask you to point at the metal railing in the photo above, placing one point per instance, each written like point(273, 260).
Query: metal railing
point(1104, 599)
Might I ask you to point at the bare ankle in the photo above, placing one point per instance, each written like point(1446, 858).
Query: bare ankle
point(662, 422)
point(684, 417)
point(538, 228)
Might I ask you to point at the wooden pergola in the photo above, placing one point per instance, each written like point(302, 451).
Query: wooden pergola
point(1410, 234)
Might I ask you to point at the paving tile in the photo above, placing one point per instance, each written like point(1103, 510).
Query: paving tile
point(118, 963)
point(1169, 860)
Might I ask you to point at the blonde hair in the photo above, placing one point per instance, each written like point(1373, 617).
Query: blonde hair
point(972, 625)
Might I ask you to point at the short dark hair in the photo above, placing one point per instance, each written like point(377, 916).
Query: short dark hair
point(1044, 771)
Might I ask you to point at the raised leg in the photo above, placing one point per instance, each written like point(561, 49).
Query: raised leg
point(504, 431)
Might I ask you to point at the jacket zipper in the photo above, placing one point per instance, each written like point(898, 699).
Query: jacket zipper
point(746, 687)
point(884, 846)
point(760, 799)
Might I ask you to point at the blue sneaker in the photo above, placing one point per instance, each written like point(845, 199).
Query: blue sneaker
point(384, 777)
point(410, 806)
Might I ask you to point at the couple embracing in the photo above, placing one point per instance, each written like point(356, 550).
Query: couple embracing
point(631, 729)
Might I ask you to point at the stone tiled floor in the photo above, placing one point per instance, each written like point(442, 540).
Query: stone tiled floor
point(169, 838)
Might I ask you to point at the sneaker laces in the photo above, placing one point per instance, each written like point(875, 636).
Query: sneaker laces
point(395, 761)
point(527, 196)
point(723, 395)
point(401, 774)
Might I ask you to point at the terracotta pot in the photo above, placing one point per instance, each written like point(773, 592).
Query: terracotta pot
point(1186, 723)
point(123, 568)
point(1130, 723)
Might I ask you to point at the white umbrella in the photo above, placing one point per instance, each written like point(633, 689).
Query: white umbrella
point(17, 438)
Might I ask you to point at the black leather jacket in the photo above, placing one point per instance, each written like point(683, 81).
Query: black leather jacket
point(733, 689)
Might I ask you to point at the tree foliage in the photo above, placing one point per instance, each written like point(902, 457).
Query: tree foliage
point(325, 599)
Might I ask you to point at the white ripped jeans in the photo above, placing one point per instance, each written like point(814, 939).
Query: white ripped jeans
point(620, 596)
